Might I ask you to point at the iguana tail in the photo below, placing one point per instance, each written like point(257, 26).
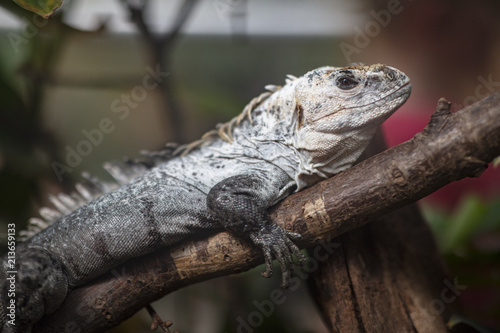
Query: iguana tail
point(35, 279)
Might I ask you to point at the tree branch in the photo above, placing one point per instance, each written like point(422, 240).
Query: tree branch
point(160, 45)
point(451, 147)
point(384, 276)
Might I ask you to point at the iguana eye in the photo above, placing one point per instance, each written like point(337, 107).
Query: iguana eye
point(346, 82)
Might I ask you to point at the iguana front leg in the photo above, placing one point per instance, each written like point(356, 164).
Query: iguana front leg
point(240, 203)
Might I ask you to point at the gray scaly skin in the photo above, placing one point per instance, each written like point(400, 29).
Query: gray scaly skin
point(286, 140)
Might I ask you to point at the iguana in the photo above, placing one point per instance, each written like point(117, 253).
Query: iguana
point(285, 140)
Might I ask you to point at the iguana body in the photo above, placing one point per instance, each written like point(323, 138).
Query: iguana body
point(311, 128)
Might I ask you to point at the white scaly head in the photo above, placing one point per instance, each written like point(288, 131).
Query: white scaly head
point(337, 110)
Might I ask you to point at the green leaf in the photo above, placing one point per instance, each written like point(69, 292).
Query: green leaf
point(464, 223)
point(44, 8)
point(496, 162)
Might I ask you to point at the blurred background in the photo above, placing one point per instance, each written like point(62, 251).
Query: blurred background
point(105, 79)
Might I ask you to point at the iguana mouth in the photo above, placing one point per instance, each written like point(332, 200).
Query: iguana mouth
point(407, 85)
point(382, 98)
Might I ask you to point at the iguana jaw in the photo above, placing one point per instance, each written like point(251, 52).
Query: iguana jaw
point(335, 131)
point(397, 98)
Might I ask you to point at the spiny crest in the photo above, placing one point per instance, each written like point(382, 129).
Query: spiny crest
point(225, 130)
point(123, 172)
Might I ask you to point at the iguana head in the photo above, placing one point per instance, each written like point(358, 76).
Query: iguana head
point(335, 100)
point(337, 110)
point(327, 117)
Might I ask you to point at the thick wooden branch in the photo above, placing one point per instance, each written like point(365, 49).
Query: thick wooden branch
point(451, 147)
point(386, 276)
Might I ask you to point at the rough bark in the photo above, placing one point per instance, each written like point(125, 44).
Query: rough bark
point(386, 276)
point(452, 146)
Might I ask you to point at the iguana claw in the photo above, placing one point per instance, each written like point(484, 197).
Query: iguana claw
point(277, 243)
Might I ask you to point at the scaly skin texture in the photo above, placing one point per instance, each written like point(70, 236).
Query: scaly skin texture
point(311, 128)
